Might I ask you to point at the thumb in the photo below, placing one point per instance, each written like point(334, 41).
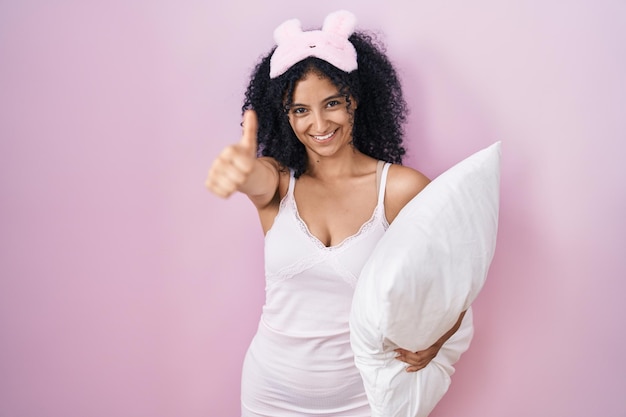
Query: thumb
point(250, 128)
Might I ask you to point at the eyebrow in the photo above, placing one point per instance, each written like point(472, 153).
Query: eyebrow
point(323, 101)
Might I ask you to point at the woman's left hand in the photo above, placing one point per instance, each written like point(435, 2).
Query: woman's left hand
point(417, 360)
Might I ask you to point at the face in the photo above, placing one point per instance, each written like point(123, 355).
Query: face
point(319, 117)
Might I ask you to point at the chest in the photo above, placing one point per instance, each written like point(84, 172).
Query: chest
point(335, 212)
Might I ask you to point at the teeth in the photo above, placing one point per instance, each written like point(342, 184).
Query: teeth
point(324, 137)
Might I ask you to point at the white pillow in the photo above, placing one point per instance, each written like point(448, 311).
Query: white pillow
point(428, 267)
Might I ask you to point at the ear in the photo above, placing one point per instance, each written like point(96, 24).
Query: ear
point(341, 23)
point(287, 31)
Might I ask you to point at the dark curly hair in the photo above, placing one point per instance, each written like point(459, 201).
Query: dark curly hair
point(378, 122)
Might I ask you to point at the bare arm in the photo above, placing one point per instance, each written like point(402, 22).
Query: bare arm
point(237, 168)
point(419, 360)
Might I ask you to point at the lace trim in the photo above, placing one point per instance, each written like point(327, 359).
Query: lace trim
point(296, 268)
point(288, 202)
point(344, 273)
point(309, 262)
point(365, 227)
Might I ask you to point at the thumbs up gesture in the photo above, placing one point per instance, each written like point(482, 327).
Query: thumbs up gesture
point(233, 166)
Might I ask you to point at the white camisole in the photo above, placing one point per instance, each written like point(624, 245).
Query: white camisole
point(300, 362)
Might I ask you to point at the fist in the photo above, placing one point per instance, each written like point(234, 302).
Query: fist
point(233, 166)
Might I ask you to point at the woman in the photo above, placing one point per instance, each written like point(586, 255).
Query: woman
point(325, 111)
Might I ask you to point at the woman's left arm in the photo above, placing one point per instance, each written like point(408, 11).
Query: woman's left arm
point(419, 360)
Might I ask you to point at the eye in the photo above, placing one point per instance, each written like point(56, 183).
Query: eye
point(333, 103)
point(298, 110)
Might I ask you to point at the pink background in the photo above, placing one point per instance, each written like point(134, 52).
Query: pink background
point(128, 290)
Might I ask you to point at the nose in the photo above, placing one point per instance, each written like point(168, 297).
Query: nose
point(320, 123)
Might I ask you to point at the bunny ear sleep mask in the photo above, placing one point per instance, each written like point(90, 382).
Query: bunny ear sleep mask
point(330, 43)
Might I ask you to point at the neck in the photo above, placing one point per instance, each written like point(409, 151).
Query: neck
point(336, 166)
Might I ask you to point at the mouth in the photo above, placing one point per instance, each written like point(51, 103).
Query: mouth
point(324, 138)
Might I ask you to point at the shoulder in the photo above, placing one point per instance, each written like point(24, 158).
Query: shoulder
point(403, 183)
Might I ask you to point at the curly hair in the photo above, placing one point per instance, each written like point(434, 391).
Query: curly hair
point(378, 128)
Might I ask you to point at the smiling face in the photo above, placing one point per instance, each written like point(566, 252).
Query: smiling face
point(321, 117)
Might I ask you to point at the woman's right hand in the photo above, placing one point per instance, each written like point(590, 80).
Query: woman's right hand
point(233, 166)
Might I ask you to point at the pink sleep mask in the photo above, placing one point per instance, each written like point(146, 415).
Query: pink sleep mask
point(330, 44)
